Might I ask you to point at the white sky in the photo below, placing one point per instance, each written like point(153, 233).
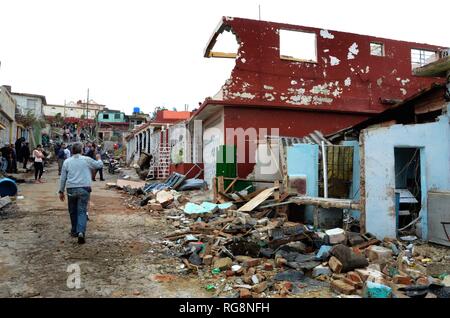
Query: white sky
point(150, 53)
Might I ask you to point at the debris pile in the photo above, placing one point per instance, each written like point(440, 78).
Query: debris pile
point(246, 247)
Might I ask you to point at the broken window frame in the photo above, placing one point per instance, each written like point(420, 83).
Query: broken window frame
point(375, 50)
point(297, 59)
point(422, 59)
point(212, 42)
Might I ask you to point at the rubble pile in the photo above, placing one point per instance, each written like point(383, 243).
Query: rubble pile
point(254, 254)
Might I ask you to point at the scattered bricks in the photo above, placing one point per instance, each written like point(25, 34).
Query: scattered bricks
point(244, 293)
point(251, 271)
point(354, 238)
point(259, 288)
point(321, 270)
point(377, 253)
point(155, 207)
point(402, 280)
point(431, 295)
point(352, 283)
point(229, 273)
point(335, 265)
point(223, 263)
point(423, 281)
point(247, 279)
point(353, 276)
point(252, 262)
point(268, 267)
point(207, 259)
point(368, 272)
point(164, 197)
point(242, 258)
point(375, 290)
point(261, 277)
point(280, 261)
point(342, 287)
point(336, 236)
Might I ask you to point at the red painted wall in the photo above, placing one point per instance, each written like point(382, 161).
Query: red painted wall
point(354, 84)
point(291, 123)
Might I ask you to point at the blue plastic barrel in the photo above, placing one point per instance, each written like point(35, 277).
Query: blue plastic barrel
point(136, 110)
point(8, 187)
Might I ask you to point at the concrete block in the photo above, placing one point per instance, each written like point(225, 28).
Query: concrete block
point(378, 253)
point(376, 290)
point(335, 265)
point(223, 263)
point(342, 287)
point(336, 236)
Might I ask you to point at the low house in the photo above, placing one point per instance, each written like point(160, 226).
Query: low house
point(405, 167)
point(112, 125)
point(155, 138)
point(290, 80)
point(78, 110)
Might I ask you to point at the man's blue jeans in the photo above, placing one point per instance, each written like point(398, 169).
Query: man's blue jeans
point(78, 199)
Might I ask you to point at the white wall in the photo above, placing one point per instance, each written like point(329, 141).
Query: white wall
point(22, 104)
point(379, 160)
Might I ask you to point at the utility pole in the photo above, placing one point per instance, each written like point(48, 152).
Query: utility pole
point(87, 104)
point(259, 12)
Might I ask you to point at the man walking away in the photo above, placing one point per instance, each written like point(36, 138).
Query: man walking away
point(76, 177)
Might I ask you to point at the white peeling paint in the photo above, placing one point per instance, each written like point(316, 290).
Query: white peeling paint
point(320, 89)
point(380, 81)
point(269, 97)
point(352, 69)
point(352, 51)
point(367, 69)
point(348, 81)
point(326, 34)
point(243, 60)
point(229, 18)
point(324, 73)
point(404, 92)
point(293, 82)
point(324, 59)
point(317, 100)
point(326, 50)
point(334, 61)
point(268, 87)
point(244, 95)
point(405, 81)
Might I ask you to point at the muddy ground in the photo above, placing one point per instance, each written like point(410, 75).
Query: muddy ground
point(123, 251)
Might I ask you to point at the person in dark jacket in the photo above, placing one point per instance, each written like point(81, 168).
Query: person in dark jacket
point(18, 146)
point(25, 153)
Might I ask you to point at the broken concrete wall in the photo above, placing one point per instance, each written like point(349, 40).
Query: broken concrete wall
point(344, 76)
point(433, 139)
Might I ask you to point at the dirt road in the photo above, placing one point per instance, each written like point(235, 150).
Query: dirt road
point(124, 249)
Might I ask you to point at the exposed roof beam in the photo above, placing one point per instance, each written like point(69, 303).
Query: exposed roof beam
point(435, 69)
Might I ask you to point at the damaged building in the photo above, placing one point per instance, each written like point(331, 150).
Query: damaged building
point(328, 81)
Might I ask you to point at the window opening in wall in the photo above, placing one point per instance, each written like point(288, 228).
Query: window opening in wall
point(117, 116)
point(31, 103)
point(298, 46)
point(224, 44)
point(105, 116)
point(407, 188)
point(376, 49)
point(422, 57)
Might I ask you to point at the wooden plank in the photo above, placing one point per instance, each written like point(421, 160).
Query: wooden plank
point(248, 180)
point(260, 198)
point(231, 185)
point(214, 185)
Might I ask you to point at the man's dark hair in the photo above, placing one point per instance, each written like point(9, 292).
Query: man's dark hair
point(76, 148)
